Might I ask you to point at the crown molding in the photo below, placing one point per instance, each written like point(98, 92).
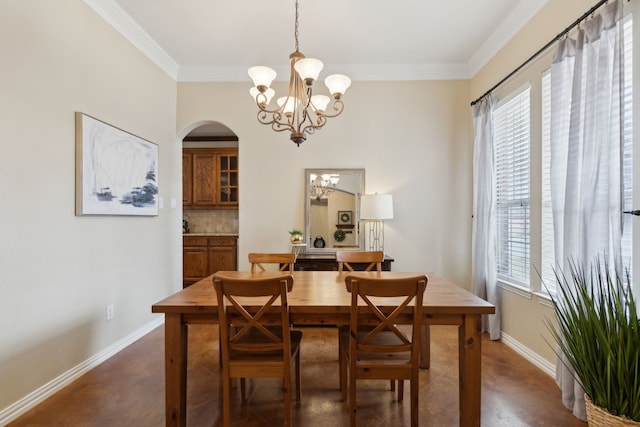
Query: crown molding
point(127, 27)
point(368, 72)
point(521, 15)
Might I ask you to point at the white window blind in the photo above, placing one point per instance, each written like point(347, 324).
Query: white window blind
point(512, 159)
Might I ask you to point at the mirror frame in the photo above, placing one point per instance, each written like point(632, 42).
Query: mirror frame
point(309, 249)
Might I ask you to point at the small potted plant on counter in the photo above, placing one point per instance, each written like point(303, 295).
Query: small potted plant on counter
point(297, 236)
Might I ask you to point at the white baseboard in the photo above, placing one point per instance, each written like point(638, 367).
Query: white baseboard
point(31, 400)
point(546, 366)
point(12, 412)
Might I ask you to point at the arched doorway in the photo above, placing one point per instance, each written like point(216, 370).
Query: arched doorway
point(210, 206)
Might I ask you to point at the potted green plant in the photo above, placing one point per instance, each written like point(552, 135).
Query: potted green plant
point(598, 331)
point(297, 236)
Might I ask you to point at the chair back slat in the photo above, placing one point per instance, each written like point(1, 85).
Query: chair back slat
point(346, 258)
point(286, 261)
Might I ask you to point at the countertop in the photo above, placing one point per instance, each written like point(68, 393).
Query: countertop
point(212, 234)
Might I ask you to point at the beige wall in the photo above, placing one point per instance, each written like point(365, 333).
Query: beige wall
point(58, 272)
point(412, 138)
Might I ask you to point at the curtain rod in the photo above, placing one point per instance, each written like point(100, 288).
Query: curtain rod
point(545, 47)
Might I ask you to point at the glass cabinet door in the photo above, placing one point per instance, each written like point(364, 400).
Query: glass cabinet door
point(228, 178)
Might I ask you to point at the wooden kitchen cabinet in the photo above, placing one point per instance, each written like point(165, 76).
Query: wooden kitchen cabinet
point(187, 179)
point(205, 255)
point(195, 259)
point(223, 254)
point(210, 178)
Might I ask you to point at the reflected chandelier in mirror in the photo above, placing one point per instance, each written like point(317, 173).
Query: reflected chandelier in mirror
point(322, 185)
point(332, 206)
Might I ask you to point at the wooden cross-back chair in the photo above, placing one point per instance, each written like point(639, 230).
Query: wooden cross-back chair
point(286, 261)
point(346, 258)
point(251, 349)
point(374, 347)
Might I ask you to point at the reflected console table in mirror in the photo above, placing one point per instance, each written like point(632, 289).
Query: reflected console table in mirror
point(327, 262)
point(332, 210)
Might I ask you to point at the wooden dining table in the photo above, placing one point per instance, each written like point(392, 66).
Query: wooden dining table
point(321, 298)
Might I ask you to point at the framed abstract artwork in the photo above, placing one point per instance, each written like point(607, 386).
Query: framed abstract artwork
point(116, 172)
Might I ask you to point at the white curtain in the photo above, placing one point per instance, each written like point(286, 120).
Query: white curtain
point(586, 154)
point(483, 263)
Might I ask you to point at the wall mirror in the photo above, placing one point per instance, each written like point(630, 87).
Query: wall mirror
point(332, 210)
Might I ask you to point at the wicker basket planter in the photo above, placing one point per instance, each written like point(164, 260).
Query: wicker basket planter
point(598, 417)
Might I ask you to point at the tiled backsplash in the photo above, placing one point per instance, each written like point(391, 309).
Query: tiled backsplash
point(214, 221)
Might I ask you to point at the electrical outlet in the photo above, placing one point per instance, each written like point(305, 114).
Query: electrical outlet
point(109, 311)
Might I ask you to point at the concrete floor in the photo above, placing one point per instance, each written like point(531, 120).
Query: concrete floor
point(128, 389)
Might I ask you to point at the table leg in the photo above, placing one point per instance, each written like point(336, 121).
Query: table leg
point(425, 347)
point(175, 365)
point(470, 361)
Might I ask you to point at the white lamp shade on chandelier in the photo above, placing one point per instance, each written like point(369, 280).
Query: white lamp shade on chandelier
point(262, 76)
point(308, 69)
point(337, 84)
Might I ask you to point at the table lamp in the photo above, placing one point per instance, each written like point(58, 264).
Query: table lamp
point(375, 208)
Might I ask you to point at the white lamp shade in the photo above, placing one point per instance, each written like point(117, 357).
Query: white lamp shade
point(376, 206)
point(261, 75)
point(320, 102)
point(268, 94)
point(290, 103)
point(337, 83)
point(308, 68)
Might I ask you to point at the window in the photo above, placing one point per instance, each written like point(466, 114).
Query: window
point(512, 136)
point(547, 246)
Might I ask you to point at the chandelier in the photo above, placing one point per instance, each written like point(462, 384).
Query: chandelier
point(322, 185)
point(300, 112)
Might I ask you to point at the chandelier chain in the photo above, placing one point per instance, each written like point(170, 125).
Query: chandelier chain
point(297, 32)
